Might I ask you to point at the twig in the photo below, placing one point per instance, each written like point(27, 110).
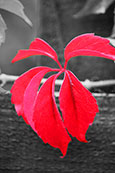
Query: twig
point(94, 94)
point(4, 78)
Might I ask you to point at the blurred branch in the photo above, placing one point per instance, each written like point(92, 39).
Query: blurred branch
point(4, 78)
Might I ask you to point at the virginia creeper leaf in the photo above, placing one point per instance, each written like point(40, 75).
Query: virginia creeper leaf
point(19, 88)
point(16, 7)
point(78, 106)
point(89, 45)
point(37, 47)
point(48, 122)
point(31, 94)
point(43, 46)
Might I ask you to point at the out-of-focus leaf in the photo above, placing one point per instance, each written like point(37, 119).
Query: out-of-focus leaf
point(2, 30)
point(113, 30)
point(94, 7)
point(16, 7)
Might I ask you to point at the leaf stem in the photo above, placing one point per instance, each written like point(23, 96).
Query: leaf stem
point(59, 64)
point(65, 65)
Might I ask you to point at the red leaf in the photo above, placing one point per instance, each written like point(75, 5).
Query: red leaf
point(48, 122)
point(78, 106)
point(89, 45)
point(19, 88)
point(31, 94)
point(37, 47)
point(40, 44)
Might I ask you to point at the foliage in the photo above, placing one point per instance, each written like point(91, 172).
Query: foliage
point(37, 105)
point(95, 7)
point(15, 7)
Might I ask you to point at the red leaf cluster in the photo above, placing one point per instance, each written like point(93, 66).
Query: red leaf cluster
point(37, 104)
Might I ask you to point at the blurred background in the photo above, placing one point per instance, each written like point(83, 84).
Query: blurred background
point(57, 22)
